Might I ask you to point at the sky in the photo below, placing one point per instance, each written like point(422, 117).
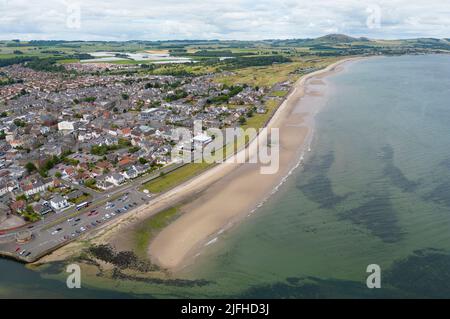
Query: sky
point(224, 20)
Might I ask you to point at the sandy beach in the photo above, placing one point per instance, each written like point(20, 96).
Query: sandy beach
point(222, 195)
point(237, 189)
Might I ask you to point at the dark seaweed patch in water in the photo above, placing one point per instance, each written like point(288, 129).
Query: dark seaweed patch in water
point(319, 188)
point(440, 194)
point(445, 163)
point(425, 274)
point(312, 287)
point(394, 173)
point(121, 259)
point(378, 216)
point(54, 268)
point(119, 275)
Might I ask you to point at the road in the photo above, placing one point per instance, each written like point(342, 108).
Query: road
point(58, 229)
point(47, 239)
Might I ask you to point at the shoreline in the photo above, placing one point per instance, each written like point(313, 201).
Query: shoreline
point(206, 217)
point(194, 188)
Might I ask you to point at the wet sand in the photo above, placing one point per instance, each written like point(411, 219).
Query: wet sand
point(222, 195)
point(234, 190)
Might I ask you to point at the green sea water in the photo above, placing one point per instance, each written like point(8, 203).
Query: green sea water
point(375, 189)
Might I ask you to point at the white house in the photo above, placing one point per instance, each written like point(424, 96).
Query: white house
point(201, 140)
point(130, 173)
point(103, 184)
point(44, 129)
point(115, 179)
point(58, 202)
point(37, 187)
point(3, 189)
point(66, 126)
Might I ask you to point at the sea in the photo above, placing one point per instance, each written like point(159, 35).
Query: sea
point(374, 190)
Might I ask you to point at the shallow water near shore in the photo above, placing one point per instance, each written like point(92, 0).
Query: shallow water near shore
point(375, 189)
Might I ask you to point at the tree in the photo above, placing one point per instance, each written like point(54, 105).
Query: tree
point(30, 167)
point(142, 160)
point(29, 209)
point(19, 123)
point(90, 99)
point(242, 120)
point(125, 96)
point(21, 197)
point(90, 182)
point(134, 149)
point(58, 175)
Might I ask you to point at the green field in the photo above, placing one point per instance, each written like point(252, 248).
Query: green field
point(267, 76)
point(278, 93)
point(149, 228)
point(260, 120)
point(174, 178)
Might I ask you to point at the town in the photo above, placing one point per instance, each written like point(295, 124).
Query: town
point(67, 138)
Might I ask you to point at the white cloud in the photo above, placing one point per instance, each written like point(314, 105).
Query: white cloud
point(233, 19)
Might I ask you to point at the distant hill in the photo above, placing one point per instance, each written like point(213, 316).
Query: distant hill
point(327, 40)
point(338, 38)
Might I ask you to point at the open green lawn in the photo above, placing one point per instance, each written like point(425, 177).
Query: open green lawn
point(180, 175)
point(81, 199)
point(191, 68)
point(149, 228)
point(267, 76)
point(260, 120)
point(279, 93)
point(65, 61)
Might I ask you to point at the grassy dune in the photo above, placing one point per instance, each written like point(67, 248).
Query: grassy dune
point(148, 229)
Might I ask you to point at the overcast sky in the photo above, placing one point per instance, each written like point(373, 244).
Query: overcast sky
point(227, 19)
